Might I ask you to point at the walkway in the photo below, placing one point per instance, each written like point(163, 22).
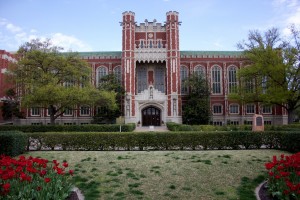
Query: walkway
point(151, 128)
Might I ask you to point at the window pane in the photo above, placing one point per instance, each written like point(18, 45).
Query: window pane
point(183, 77)
point(216, 80)
point(232, 81)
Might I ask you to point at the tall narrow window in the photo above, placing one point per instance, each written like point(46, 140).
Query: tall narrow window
point(232, 81)
point(159, 77)
point(183, 77)
point(141, 79)
point(159, 44)
point(101, 72)
point(142, 44)
point(264, 84)
point(249, 86)
point(216, 80)
point(150, 44)
point(118, 73)
point(199, 71)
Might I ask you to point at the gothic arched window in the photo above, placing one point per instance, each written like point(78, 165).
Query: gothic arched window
point(216, 80)
point(183, 77)
point(101, 72)
point(118, 73)
point(232, 80)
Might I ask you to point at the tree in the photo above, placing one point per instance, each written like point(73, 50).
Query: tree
point(110, 83)
point(197, 108)
point(272, 75)
point(57, 81)
point(11, 106)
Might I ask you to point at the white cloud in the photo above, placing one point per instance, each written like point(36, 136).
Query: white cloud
point(12, 28)
point(69, 42)
point(15, 36)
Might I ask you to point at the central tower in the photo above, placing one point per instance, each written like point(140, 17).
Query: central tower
point(151, 70)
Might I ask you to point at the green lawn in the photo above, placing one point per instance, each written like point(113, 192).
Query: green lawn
point(163, 174)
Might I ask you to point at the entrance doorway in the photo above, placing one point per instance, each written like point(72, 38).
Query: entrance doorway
point(151, 116)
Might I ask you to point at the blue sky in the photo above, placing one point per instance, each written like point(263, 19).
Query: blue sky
point(93, 25)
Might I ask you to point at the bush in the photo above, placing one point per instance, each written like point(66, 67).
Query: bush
point(12, 143)
point(70, 128)
point(167, 140)
point(284, 177)
point(33, 178)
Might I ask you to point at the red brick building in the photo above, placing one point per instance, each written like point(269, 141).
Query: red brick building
point(152, 68)
point(5, 59)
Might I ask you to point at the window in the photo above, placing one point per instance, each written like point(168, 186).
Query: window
point(68, 112)
point(118, 73)
point(266, 109)
point(199, 71)
point(83, 80)
point(159, 76)
point(84, 110)
point(232, 81)
point(141, 79)
point(249, 86)
point(234, 109)
point(159, 44)
point(216, 80)
point(101, 72)
point(217, 123)
point(248, 122)
point(35, 111)
point(264, 84)
point(150, 44)
point(267, 122)
point(183, 77)
point(69, 83)
point(217, 109)
point(234, 122)
point(250, 109)
point(141, 44)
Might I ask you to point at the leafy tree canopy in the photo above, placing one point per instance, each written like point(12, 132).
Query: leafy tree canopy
point(58, 81)
point(197, 108)
point(272, 75)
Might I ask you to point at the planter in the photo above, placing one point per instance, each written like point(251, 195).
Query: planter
point(261, 192)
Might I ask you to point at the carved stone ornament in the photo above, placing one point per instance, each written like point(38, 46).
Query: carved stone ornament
point(150, 54)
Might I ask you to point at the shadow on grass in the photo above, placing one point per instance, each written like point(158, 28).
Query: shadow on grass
point(247, 187)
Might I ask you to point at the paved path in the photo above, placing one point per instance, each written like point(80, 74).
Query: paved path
point(149, 128)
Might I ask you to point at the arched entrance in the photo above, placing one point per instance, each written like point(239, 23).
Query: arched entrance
point(151, 116)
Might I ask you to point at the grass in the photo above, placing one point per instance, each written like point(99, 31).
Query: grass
point(207, 175)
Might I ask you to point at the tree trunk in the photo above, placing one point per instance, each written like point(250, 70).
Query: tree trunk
point(52, 111)
point(291, 116)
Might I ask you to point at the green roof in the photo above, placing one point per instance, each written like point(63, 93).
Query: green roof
point(100, 53)
point(211, 53)
point(183, 53)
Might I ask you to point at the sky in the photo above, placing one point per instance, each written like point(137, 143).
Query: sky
point(93, 25)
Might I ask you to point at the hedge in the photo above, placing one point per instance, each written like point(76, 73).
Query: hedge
point(70, 128)
point(13, 143)
point(289, 141)
point(184, 127)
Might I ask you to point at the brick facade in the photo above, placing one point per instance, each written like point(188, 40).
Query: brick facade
point(152, 66)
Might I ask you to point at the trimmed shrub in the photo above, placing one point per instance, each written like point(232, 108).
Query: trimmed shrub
point(13, 143)
point(167, 140)
point(71, 128)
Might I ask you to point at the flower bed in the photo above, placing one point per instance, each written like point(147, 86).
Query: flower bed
point(284, 177)
point(33, 178)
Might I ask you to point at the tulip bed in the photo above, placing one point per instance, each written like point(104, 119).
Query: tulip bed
point(33, 178)
point(284, 176)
